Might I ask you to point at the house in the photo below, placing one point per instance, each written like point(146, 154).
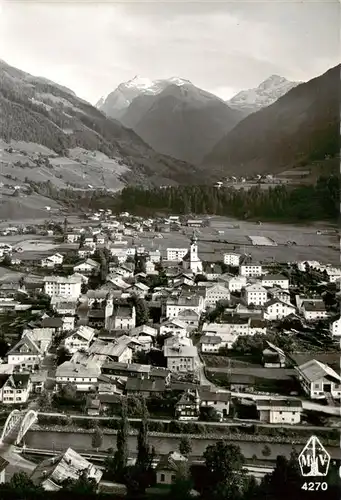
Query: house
point(93, 407)
point(150, 268)
point(188, 406)
point(258, 326)
point(120, 317)
point(154, 256)
point(279, 411)
point(242, 382)
point(64, 307)
point(314, 310)
point(168, 468)
point(145, 387)
point(232, 259)
point(86, 251)
point(212, 271)
point(256, 295)
point(273, 356)
point(176, 305)
point(80, 339)
point(335, 328)
point(210, 343)
point(120, 350)
point(52, 261)
point(83, 375)
point(220, 401)
point(63, 286)
point(250, 269)
point(38, 381)
point(176, 254)
point(87, 266)
point(181, 358)
point(52, 473)
point(138, 289)
point(173, 327)
point(56, 324)
point(25, 353)
point(234, 283)
point(73, 237)
point(216, 293)
point(15, 388)
point(190, 317)
point(275, 280)
point(275, 310)
point(280, 294)
point(319, 380)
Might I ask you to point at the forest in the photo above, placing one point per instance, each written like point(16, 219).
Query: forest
point(281, 203)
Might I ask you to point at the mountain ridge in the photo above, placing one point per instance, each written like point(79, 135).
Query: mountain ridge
point(300, 127)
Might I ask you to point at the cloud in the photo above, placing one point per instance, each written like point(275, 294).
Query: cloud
point(219, 46)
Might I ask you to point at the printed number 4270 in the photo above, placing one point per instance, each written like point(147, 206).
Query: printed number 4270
point(315, 486)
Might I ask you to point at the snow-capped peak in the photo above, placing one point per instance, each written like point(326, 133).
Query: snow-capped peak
point(265, 94)
point(118, 100)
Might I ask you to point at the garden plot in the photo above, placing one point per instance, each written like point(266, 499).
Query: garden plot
point(262, 241)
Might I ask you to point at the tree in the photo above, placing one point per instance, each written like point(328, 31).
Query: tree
point(121, 454)
point(285, 481)
point(185, 446)
point(62, 355)
point(7, 261)
point(97, 438)
point(21, 484)
point(141, 308)
point(227, 478)
point(266, 451)
point(82, 486)
point(183, 484)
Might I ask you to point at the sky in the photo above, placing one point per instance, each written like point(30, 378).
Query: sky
point(222, 47)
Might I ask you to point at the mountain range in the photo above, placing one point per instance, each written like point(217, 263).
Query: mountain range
point(164, 131)
point(39, 111)
point(181, 120)
point(300, 127)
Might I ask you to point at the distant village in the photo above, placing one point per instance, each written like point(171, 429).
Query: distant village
point(221, 341)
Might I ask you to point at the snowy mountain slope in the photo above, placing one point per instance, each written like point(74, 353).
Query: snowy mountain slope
point(116, 103)
point(265, 94)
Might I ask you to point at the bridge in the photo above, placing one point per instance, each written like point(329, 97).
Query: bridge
point(16, 426)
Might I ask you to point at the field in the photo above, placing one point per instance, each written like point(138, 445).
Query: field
point(212, 246)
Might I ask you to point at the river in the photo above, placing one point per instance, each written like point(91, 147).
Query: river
point(81, 442)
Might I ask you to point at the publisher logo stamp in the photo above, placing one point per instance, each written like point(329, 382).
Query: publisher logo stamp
point(314, 460)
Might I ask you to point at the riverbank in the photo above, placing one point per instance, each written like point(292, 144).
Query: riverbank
point(285, 436)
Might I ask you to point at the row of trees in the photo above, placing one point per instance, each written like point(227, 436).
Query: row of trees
point(319, 201)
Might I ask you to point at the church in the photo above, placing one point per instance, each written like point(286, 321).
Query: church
point(191, 261)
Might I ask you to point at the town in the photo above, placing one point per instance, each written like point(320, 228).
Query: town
point(99, 329)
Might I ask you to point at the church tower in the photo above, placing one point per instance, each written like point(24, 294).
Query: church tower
point(194, 261)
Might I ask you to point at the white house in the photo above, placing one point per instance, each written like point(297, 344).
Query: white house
point(275, 280)
point(64, 286)
point(168, 468)
point(181, 358)
point(250, 269)
point(79, 339)
point(314, 310)
point(335, 328)
point(154, 256)
point(88, 266)
point(174, 327)
point(232, 259)
point(256, 295)
point(139, 289)
point(216, 293)
point(176, 254)
point(119, 317)
point(52, 260)
point(73, 237)
point(220, 401)
point(275, 310)
point(83, 375)
point(176, 305)
point(319, 380)
point(279, 411)
point(235, 283)
point(15, 388)
point(26, 353)
point(280, 294)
